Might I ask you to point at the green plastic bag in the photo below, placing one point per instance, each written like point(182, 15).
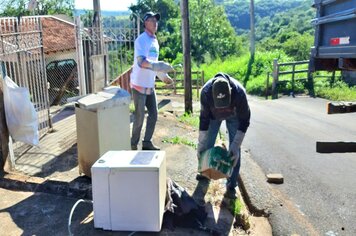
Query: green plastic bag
point(215, 163)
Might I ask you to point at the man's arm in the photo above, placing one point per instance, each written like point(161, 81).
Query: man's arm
point(243, 113)
point(204, 121)
point(204, 118)
point(158, 66)
point(244, 121)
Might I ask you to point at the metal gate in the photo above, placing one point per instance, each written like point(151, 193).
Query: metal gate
point(21, 54)
point(107, 51)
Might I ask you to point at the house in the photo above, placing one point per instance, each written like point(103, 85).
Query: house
point(58, 38)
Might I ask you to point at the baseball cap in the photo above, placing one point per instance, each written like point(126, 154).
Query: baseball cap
point(221, 92)
point(151, 14)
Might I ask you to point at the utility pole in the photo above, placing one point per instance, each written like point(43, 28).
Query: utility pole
point(252, 28)
point(97, 27)
point(186, 56)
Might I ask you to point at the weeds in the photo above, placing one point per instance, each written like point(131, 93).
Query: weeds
point(236, 206)
point(241, 219)
point(179, 140)
point(190, 119)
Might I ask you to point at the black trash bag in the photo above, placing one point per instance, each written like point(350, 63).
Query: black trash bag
point(181, 209)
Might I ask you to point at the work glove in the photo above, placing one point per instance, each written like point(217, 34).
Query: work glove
point(202, 142)
point(234, 149)
point(161, 66)
point(164, 77)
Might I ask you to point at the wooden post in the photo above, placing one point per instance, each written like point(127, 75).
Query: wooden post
point(175, 82)
point(310, 81)
point(267, 85)
point(202, 81)
point(7, 156)
point(293, 69)
point(186, 55)
point(275, 79)
point(4, 138)
point(332, 81)
point(197, 82)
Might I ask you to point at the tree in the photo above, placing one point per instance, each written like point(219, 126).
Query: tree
point(43, 7)
point(211, 33)
point(299, 47)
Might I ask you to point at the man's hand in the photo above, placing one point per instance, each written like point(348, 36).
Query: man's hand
point(161, 66)
point(234, 149)
point(202, 142)
point(164, 77)
point(235, 158)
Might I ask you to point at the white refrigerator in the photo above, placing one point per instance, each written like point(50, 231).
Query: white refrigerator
point(103, 124)
point(129, 190)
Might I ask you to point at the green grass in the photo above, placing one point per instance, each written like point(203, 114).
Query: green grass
point(236, 206)
point(190, 119)
point(179, 140)
point(255, 82)
point(338, 91)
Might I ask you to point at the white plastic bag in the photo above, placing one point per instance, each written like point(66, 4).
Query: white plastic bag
point(21, 116)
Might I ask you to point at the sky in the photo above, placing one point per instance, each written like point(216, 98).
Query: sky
point(106, 5)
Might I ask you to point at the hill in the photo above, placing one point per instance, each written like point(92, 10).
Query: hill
point(104, 13)
point(270, 16)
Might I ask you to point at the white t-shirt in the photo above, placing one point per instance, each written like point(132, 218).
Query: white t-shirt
point(147, 46)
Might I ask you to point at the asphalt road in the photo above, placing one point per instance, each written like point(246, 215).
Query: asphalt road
point(319, 190)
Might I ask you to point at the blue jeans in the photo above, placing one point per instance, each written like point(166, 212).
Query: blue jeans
point(231, 125)
point(141, 101)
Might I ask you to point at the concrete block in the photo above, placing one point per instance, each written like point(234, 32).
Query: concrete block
point(275, 178)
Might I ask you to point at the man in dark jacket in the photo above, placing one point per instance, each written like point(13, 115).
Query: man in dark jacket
point(224, 99)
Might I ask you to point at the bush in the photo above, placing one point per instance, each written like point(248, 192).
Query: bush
point(255, 83)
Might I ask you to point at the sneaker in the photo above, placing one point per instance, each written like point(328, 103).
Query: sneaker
point(201, 177)
point(149, 146)
point(230, 193)
point(133, 147)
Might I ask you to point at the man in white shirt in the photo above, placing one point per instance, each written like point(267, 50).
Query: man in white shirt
point(145, 69)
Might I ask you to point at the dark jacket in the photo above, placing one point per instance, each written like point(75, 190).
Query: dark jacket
point(238, 108)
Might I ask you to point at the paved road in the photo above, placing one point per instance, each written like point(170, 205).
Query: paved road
point(318, 194)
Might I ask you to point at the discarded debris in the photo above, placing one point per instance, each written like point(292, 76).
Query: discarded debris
point(275, 178)
point(341, 107)
point(242, 221)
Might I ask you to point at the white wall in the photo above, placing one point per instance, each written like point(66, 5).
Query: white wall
point(60, 56)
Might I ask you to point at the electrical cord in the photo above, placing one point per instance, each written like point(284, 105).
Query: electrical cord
point(71, 213)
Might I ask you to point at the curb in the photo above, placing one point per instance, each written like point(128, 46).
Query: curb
point(79, 188)
point(254, 188)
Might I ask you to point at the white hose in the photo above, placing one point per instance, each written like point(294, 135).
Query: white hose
point(71, 213)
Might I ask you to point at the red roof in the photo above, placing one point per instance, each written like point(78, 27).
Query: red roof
point(58, 35)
